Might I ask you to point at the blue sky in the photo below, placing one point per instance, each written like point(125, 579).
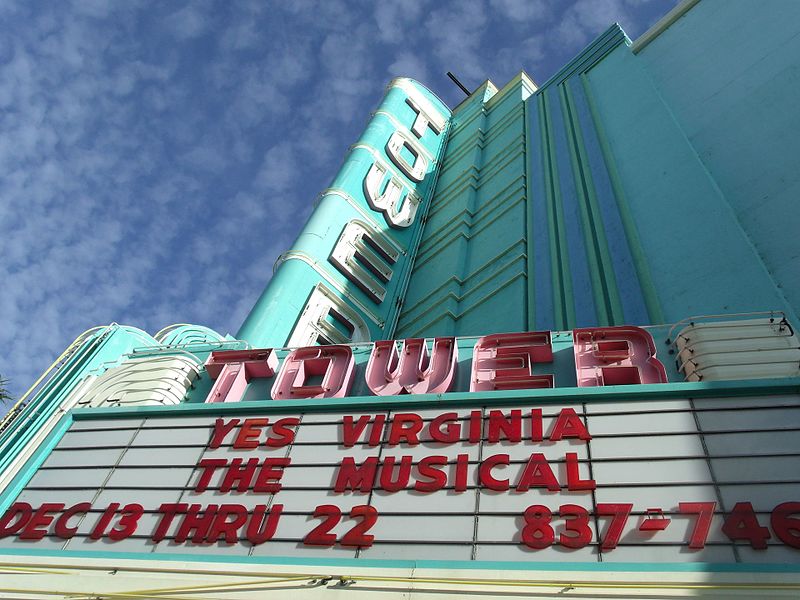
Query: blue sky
point(155, 158)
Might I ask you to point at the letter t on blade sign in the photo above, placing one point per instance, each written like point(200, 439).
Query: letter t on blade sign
point(505, 361)
point(234, 369)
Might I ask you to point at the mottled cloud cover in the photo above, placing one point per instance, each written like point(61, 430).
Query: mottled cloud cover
point(155, 158)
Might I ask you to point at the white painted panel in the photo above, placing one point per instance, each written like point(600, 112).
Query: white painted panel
point(300, 500)
point(68, 497)
point(749, 419)
point(324, 432)
point(668, 445)
point(145, 478)
point(295, 476)
point(430, 413)
point(170, 547)
point(151, 499)
point(280, 548)
point(74, 458)
point(160, 456)
point(424, 449)
point(83, 439)
point(756, 469)
point(776, 553)
point(655, 472)
point(229, 452)
point(304, 454)
point(637, 406)
point(428, 528)
point(516, 503)
point(299, 526)
point(132, 423)
point(199, 436)
point(426, 551)
point(753, 443)
point(763, 497)
point(445, 501)
point(47, 543)
point(169, 422)
point(782, 400)
point(336, 418)
point(655, 554)
point(650, 496)
point(520, 552)
point(83, 544)
point(682, 422)
point(58, 478)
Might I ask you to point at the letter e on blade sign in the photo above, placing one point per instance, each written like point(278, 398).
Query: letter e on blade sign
point(505, 361)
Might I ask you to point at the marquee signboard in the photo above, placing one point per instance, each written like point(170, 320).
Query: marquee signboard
point(711, 480)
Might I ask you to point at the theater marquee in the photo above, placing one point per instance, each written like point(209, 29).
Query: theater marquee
point(704, 479)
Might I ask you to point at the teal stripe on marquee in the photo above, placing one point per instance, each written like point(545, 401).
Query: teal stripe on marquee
point(373, 563)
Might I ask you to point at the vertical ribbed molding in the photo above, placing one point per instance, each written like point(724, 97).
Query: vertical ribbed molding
point(472, 260)
point(585, 262)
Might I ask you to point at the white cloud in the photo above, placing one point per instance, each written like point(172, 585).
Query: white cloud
point(586, 19)
point(525, 11)
point(188, 22)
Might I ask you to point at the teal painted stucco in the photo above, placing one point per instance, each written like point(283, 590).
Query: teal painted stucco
point(730, 74)
point(470, 270)
point(628, 189)
point(699, 256)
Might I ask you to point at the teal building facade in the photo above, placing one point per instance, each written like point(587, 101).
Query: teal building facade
point(631, 223)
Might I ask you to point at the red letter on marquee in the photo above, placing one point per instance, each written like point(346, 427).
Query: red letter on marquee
point(22, 511)
point(234, 369)
point(36, 528)
point(485, 472)
point(569, 425)
point(616, 356)
point(315, 372)
point(412, 372)
point(62, 528)
point(351, 477)
point(436, 479)
point(505, 361)
point(399, 433)
point(574, 481)
point(538, 474)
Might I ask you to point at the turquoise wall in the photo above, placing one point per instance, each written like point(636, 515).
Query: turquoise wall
point(730, 74)
point(630, 188)
point(470, 270)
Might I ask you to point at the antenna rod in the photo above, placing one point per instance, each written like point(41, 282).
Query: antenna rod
point(458, 83)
